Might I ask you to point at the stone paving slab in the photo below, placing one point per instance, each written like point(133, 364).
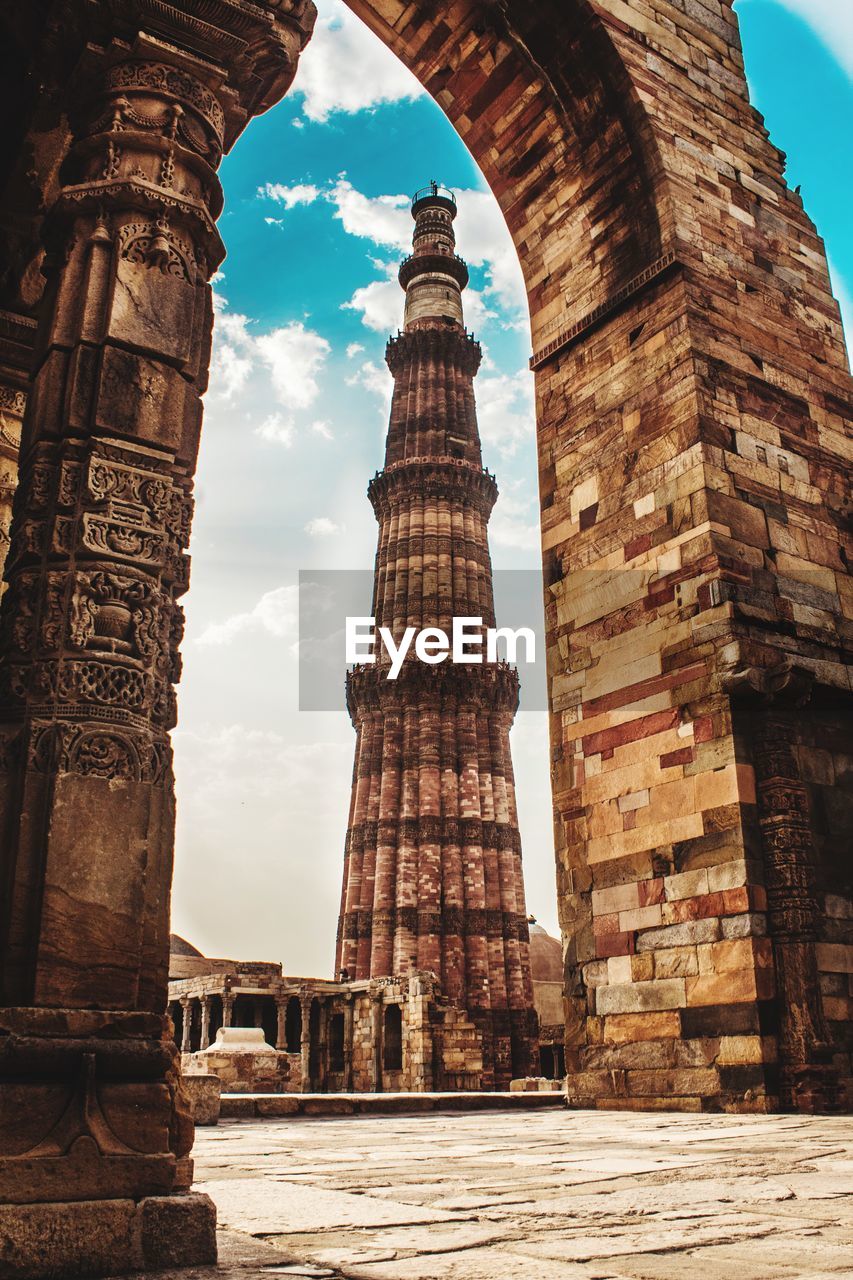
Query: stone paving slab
point(550, 1195)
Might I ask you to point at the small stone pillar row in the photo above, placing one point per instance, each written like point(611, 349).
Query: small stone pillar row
point(433, 877)
point(91, 625)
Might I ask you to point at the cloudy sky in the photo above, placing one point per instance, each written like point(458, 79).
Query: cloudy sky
point(317, 217)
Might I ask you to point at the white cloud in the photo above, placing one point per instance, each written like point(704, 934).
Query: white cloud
point(485, 242)
point(322, 527)
point(354, 349)
point(506, 411)
point(294, 356)
point(831, 20)
point(276, 613)
point(514, 522)
point(290, 197)
point(274, 222)
point(384, 219)
point(322, 429)
point(276, 429)
point(231, 362)
point(380, 305)
point(378, 382)
point(347, 68)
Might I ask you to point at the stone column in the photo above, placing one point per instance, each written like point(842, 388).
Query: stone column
point(807, 1080)
point(281, 1022)
point(205, 1021)
point(770, 702)
point(376, 1026)
point(305, 1043)
point(227, 1009)
point(91, 625)
point(17, 334)
point(349, 1026)
point(323, 1047)
point(186, 1023)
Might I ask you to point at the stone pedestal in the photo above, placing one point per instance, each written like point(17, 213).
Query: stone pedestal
point(92, 1238)
point(243, 1062)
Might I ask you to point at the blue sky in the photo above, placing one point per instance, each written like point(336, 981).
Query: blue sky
point(316, 219)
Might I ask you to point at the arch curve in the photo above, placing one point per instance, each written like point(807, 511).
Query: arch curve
point(559, 131)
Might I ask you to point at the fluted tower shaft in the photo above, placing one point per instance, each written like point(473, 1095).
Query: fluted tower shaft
point(432, 876)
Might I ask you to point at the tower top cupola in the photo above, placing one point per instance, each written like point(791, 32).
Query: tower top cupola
point(433, 275)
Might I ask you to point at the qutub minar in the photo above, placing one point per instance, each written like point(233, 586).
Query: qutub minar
point(432, 872)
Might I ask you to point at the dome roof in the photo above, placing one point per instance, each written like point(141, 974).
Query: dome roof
point(546, 956)
point(179, 946)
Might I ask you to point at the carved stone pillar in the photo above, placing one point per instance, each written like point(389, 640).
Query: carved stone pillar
point(12, 404)
point(323, 1047)
point(205, 1021)
point(305, 1043)
point(17, 334)
point(227, 1009)
point(186, 1024)
point(772, 699)
point(807, 1081)
point(281, 1023)
point(90, 624)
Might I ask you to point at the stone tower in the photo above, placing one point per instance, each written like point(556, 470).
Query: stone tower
point(432, 872)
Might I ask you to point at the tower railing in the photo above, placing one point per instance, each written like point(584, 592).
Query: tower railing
point(433, 190)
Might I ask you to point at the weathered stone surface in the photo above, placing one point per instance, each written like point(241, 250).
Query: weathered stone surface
point(204, 1093)
point(556, 1195)
point(105, 1237)
point(177, 1231)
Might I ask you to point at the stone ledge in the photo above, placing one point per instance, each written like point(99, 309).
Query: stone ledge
point(249, 1106)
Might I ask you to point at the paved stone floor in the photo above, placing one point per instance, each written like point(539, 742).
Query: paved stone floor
point(542, 1195)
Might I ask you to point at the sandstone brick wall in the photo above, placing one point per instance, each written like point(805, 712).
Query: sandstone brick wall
point(692, 402)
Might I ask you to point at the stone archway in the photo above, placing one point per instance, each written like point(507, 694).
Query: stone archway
point(691, 387)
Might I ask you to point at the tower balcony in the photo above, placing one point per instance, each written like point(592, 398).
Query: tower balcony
point(434, 194)
point(420, 264)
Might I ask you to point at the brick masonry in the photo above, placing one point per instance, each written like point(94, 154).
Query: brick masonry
point(432, 873)
point(692, 400)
